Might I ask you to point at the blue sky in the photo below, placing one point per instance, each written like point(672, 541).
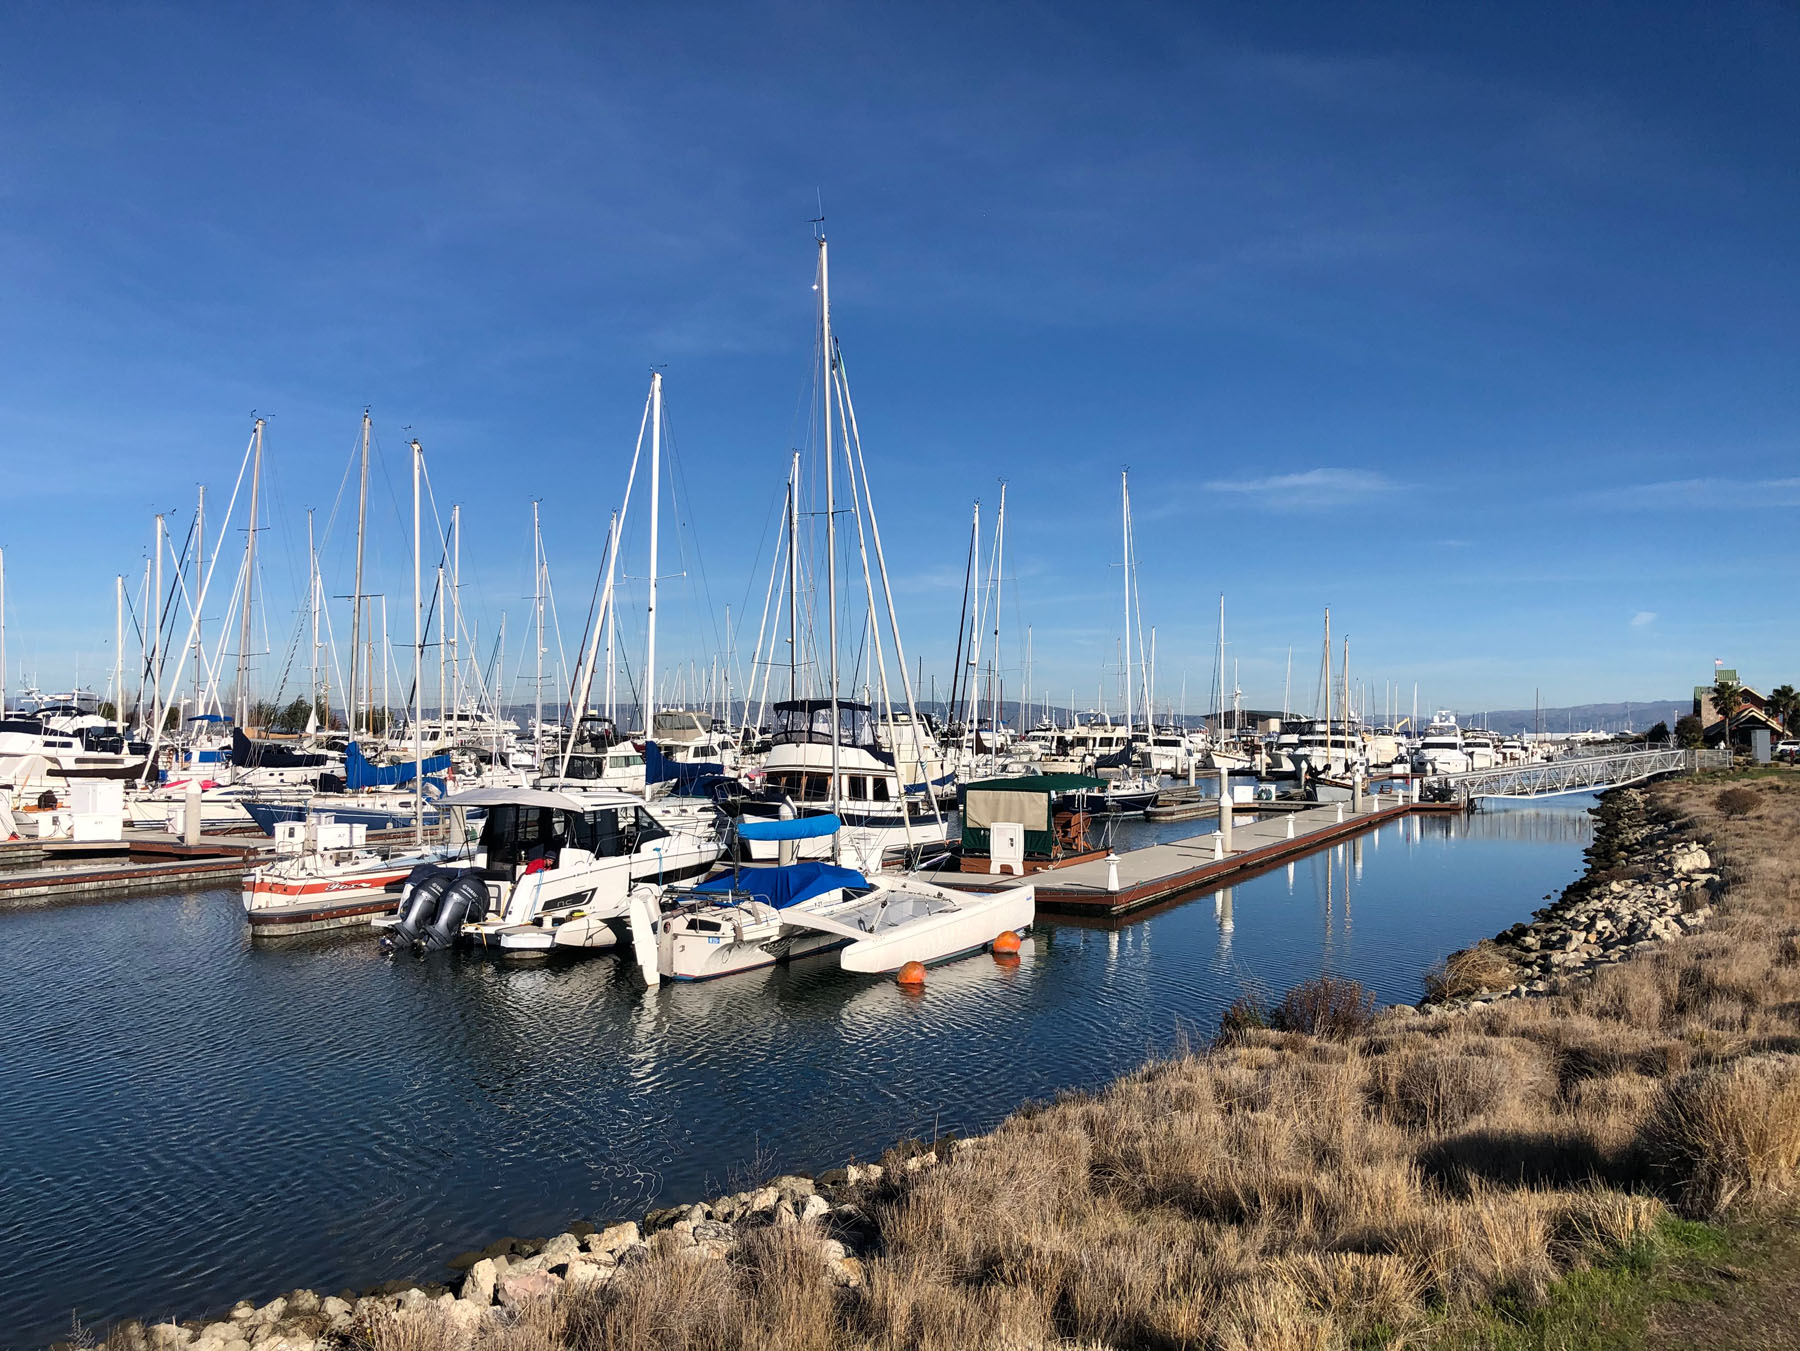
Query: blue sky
point(1474, 323)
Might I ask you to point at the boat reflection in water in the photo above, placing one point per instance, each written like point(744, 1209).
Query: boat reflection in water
point(592, 1097)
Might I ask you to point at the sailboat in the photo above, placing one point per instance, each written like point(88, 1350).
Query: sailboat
point(825, 755)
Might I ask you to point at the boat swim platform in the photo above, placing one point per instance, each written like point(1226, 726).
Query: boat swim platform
point(1160, 872)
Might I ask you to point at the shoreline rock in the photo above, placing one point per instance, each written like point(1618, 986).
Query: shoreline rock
point(1644, 885)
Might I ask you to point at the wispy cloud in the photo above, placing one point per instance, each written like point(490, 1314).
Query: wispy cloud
point(1704, 494)
point(1643, 619)
point(1312, 489)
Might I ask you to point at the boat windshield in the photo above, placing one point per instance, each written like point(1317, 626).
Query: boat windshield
point(809, 720)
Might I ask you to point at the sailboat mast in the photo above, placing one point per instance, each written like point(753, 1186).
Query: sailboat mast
point(999, 582)
point(1219, 693)
point(1328, 690)
point(537, 602)
point(1125, 531)
point(312, 606)
point(828, 368)
point(456, 673)
point(156, 652)
point(612, 669)
point(362, 517)
point(118, 649)
point(418, 734)
point(199, 566)
point(243, 669)
point(655, 506)
point(793, 534)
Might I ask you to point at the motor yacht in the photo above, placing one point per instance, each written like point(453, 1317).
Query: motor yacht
point(548, 870)
point(1441, 747)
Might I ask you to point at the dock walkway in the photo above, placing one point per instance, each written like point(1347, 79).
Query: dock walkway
point(1155, 873)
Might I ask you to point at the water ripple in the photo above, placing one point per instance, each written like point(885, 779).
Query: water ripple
point(186, 1119)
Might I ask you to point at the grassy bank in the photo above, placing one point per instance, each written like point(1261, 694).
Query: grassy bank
point(1561, 1170)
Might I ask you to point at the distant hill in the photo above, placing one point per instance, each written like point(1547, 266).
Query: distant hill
point(1580, 717)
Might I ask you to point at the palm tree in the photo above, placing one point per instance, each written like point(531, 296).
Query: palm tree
point(1784, 703)
point(1727, 699)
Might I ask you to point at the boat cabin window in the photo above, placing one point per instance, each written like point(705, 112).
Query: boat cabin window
point(514, 835)
point(881, 790)
point(858, 787)
point(817, 788)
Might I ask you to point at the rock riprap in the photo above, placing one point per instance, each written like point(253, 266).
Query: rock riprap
point(1644, 885)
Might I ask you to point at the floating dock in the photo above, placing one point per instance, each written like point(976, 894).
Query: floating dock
point(1146, 876)
point(49, 870)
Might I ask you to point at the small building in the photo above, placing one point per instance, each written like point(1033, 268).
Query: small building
point(1752, 714)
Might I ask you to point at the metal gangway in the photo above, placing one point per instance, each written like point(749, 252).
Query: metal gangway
point(1574, 774)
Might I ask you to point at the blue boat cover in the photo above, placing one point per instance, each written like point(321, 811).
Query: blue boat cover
point(359, 773)
point(782, 887)
point(659, 768)
point(800, 828)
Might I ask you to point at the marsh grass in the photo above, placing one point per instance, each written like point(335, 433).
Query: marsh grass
point(1323, 1176)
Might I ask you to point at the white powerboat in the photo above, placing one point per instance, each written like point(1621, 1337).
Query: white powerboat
point(1441, 747)
point(548, 870)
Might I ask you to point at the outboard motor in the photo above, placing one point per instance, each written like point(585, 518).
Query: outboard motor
point(424, 889)
point(464, 899)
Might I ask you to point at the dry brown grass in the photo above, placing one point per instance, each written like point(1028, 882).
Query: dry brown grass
point(1470, 972)
point(1320, 1176)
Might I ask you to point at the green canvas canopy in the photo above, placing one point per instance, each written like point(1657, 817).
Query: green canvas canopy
point(1027, 800)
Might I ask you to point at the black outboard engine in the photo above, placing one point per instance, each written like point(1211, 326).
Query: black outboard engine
point(463, 900)
point(424, 889)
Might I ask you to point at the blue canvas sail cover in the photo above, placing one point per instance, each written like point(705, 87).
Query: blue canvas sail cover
point(801, 828)
point(359, 773)
point(782, 887)
point(659, 768)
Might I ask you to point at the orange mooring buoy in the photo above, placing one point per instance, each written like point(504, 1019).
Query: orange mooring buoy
point(913, 973)
point(1006, 945)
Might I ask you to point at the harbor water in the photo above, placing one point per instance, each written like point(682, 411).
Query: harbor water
point(187, 1119)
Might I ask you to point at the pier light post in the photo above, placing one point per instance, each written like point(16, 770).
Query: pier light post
point(1112, 871)
point(1225, 810)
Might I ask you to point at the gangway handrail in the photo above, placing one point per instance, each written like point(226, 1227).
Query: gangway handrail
point(1576, 774)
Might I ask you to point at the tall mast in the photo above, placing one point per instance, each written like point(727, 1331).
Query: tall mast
point(612, 711)
point(1328, 689)
point(118, 650)
point(999, 582)
point(199, 568)
point(793, 531)
point(827, 369)
point(243, 671)
point(1219, 693)
point(655, 507)
point(3, 639)
point(312, 606)
point(362, 517)
point(442, 648)
point(537, 600)
point(1287, 684)
point(418, 710)
point(156, 603)
point(1125, 531)
point(456, 673)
